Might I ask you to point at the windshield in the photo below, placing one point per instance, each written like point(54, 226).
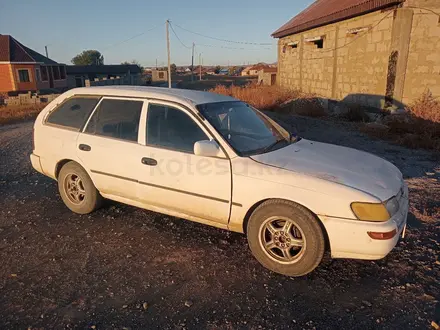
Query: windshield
point(246, 129)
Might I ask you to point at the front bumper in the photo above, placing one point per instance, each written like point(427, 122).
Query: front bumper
point(350, 239)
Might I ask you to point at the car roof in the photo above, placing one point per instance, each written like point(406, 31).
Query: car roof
point(166, 94)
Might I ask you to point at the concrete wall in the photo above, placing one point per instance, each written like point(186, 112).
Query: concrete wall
point(126, 80)
point(29, 98)
point(423, 70)
point(265, 78)
point(354, 63)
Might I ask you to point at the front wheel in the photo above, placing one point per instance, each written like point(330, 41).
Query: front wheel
point(285, 238)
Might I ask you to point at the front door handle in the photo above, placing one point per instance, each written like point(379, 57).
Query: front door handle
point(149, 161)
point(84, 147)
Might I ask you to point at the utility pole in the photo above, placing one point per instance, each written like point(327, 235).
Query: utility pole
point(47, 54)
point(192, 63)
point(200, 63)
point(169, 59)
point(156, 63)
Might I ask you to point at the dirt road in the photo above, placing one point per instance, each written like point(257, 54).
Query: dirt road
point(123, 267)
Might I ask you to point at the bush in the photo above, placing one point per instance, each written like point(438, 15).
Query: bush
point(409, 131)
point(426, 107)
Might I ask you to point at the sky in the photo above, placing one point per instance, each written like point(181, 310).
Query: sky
point(69, 27)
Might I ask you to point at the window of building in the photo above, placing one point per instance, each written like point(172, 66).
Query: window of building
point(317, 41)
point(23, 75)
point(161, 75)
point(173, 129)
point(73, 112)
point(44, 76)
point(56, 72)
point(38, 74)
point(62, 72)
point(293, 45)
point(118, 119)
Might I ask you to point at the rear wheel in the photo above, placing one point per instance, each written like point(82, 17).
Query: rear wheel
point(77, 189)
point(286, 238)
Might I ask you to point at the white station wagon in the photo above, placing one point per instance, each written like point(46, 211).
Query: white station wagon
point(218, 161)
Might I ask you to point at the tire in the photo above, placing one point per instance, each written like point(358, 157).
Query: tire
point(87, 199)
point(295, 249)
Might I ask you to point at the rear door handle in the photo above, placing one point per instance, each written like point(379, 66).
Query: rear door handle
point(84, 147)
point(149, 161)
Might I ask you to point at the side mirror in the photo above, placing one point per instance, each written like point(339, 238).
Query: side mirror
point(208, 148)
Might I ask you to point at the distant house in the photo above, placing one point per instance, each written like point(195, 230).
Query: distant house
point(78, 74)
point(159, 75)
point(23, 69)
point(267, 76)
point(253, 69)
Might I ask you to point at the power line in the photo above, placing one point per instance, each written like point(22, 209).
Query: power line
point(172, 29)
point(131, 38)
point(224, 40)
point(236, 48)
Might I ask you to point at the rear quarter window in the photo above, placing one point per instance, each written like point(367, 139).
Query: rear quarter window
point(73, 112)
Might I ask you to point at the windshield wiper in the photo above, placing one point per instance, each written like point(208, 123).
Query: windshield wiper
point(270, 147)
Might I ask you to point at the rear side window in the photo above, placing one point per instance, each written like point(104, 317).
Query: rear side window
point(73, 112)
point(118, 119)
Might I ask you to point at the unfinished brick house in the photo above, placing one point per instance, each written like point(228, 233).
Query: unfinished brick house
point(23, 69)
point(372, 52)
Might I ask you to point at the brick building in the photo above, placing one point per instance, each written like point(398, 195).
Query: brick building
point(23, 69)
point(372, 52)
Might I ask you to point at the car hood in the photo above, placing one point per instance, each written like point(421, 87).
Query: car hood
point(350, 167)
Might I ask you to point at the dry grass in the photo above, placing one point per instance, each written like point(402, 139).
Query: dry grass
point(420, 128)
point(274, 98)
point(426, 107)
point(11, 114)
point(261, 97)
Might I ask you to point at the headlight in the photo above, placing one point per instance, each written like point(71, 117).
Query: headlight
point(392, 206)
point(370, 211)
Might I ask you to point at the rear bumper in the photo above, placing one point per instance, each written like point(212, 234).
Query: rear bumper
point(350, 239)
point(36, 164)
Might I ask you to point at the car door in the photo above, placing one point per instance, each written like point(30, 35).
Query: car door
point(109, 148)
point(174, 177)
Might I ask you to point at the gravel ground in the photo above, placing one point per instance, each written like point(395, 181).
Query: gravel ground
point(123, 267)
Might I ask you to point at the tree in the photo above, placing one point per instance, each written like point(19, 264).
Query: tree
point(173, 68)
point(135, 63)
point(217, 69)
point(88, 57)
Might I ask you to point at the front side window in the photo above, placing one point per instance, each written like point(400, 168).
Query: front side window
point(118, 119)
point(73, 112)
point(171, 128)
point(247, 130)
point(23, 75)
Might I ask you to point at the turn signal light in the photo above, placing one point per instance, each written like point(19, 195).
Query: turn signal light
point(382, 236)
